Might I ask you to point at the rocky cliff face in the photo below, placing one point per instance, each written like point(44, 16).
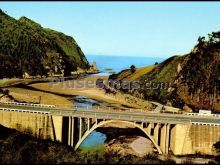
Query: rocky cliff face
point(191, 80)
point(198, 82)
point(27, 49)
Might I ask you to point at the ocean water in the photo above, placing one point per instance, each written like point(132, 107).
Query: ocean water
point(118, 63)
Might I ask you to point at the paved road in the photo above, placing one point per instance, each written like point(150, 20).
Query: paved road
point(131, 116)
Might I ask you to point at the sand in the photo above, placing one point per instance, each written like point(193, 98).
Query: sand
point(61, 92)
point(142, 146)
point(88, 90)
point(26, 95)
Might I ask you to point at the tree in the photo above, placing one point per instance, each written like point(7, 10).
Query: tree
point(156, 63)
point(201, 39)
point(201, 42)
point(132, 68)
point(6, 92)
point(216, 147)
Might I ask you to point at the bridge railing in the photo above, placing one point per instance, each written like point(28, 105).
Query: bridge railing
point(201, 123)
point(118, 116)
point(29, 104)
point(107, 108)
point(86, 107)
point(21, 110)
point(199, 114)
point(83, 107)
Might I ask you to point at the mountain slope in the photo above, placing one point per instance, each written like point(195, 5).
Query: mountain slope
point(192, 79)
point(198, 82)
point(26, 47)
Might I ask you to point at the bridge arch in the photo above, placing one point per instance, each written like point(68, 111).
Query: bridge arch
point(102, 123)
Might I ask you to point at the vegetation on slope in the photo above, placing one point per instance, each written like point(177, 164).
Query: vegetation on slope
point(140, 72)
point(199, 80)
point(26, 47)
point(127, 74)
point(161, 79)
point(192, 79)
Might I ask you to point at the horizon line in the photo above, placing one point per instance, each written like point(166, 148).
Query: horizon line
point(124, 55)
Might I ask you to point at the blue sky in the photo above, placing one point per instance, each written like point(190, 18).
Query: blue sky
point(152, 29)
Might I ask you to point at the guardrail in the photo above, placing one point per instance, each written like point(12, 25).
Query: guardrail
point(199, 114)
point(104, 108)
point(21, 110)
point(88, 107)
point(29, 104)
point(66, 106)
point(118, 116)
point(107, 108)
point(208, 124)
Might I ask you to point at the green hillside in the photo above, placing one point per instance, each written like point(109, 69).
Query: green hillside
point(26, 47)
point(192, 79)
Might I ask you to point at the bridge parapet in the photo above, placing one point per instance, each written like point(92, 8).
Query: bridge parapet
point(21, 110)
point(198, 114)
point(108, 108)
point(118, 116)
point(28, 104)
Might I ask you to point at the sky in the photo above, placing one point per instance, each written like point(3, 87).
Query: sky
point(151, 29)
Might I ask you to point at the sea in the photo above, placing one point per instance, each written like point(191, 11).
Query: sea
point(109, 64)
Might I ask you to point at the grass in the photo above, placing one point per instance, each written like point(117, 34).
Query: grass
point(127, 75)
point(140, 72)
point(97, 148)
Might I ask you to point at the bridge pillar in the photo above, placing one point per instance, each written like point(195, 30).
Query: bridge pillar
point(58, 127)
point(163, 138)
point(180, 139)
point(96, 121)
point(70, 131)
point(88, 124)
point(167, 138)
point(156, 132)
point(80, 128)
point(149, 128)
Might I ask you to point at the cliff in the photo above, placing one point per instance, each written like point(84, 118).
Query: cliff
point(192, 80)
point(28, 49)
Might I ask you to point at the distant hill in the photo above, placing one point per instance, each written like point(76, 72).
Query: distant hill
point(194, 79)
point(27, 48)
